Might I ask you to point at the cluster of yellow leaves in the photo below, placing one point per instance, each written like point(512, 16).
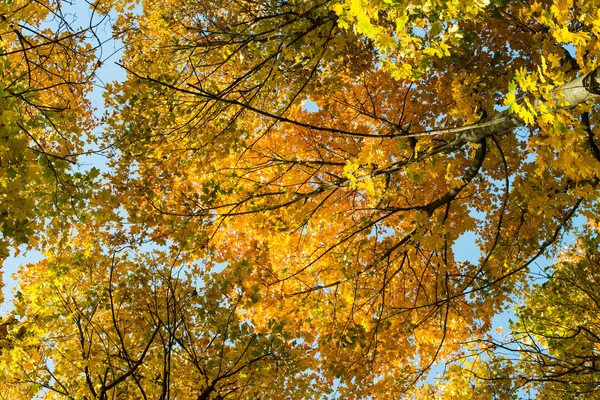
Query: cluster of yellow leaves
point(408, 35)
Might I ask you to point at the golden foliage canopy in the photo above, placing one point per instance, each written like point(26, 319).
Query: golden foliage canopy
point(285, 188)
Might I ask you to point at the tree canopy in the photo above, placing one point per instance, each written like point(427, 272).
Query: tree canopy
point(285, 186)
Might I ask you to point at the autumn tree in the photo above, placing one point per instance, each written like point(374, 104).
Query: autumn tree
point(101, 322)
point(321, 158)
point(46, 65)
point(342, 148)
point(551, 348)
